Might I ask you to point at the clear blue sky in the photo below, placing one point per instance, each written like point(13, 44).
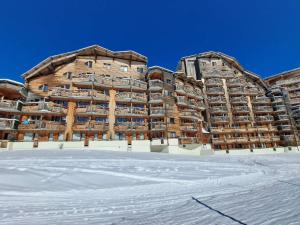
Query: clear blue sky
point(263, 35)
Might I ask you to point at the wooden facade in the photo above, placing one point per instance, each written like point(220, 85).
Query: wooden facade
point(98, 94)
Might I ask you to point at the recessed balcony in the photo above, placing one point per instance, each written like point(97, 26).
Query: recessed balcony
point(10, 106)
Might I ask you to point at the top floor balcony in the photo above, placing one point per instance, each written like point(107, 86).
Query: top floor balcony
point(155, 85)
point(10, 106)
point(43, 107)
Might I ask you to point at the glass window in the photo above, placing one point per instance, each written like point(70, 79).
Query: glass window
point(89, 64)
point(124, 68)
point(140, 69)
point(107, 66)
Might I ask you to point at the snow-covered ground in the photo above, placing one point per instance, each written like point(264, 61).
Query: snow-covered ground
point(93, 187)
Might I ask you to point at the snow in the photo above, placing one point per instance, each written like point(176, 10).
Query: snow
point(103, 187)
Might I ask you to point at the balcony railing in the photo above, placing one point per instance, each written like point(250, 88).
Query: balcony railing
point(238, 100)
point(241, 119)
point(189, 90)
point(78, 94)
point(42, 125)
point(213, 82)
point(179, 88)
point(221, 119)
point(7, 124)
point(92, 125)
point(155, 98)
point(215, 91)
point(157, 111)
point(90, 79)
point(189, 127)
point(216, 99)
point(43, 107)
point(233, 82)
point(261, 100)
point(267, 118)
point(218, 109)
point(284, 127)
point(130, 111)
point(188, 140)
point(190, 114)
point(155, 85)
point(237, 91)
point(262, 109)
point(240, 109)
point(92, 109)
point(181, 100)
point(283, 117)
point(157, 126)
point(130, 126)
point(280, 108)
point(9, 105)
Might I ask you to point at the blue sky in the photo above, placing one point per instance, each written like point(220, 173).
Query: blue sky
point(263, 35)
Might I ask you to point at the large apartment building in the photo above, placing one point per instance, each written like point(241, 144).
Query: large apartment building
point(95, 94)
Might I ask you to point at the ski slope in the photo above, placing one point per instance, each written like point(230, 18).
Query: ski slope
point(93, 187)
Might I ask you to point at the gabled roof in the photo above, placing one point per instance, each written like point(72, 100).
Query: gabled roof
point(284, 74)
point(230, 60)
point(160, 68)
point(48, 64)
point(11, 82)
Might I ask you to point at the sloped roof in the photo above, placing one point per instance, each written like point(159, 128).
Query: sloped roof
point(48, 64)
point(160, 68)
point(11, 82)
point(230, 60)
point(284, 74)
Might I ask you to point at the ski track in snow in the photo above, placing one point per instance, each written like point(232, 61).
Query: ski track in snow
point(93, 187)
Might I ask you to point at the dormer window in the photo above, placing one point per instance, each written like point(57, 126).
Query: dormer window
point(89, 64)
point(43, 87)
point(68, 75)
point(124, 68)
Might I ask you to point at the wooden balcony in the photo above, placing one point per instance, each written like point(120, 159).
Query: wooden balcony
point(280, 108)
point(130, 126)
point(89, 79)
point(8, 124)
point(190, 114)
point(212, 82)
point(156, 98)
point(189, 127)
point(261, 101)
point(283, 117)
point(10, 106)
point(90, 126)
point(182, 101)
point(131, 112)
point(218, 110)
point(157, 111)
point(215, 100)
point(215, 91)
point(238, 100)
point(220, 119)
point(91, 110)
point(240, 109)
point(42, 125)
point(43, 108)
point(188, 140)
point(263, 109)
point(81, 94)
point(189, 91)
point(264, 119)
point(234, 82)
point(155, 85)
point(284, 127)
point(179, 88)
point(241, 119)
point(157, 126)
point(236, 91)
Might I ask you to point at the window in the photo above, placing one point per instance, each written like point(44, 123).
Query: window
point(172, 120)
point(43, 87)
point(140, 69)
point(124, 68)
point(173, 134)
point(168, 81)
point(107, 66)
point(213, 63)
point(191, 68)
point(68, 75)
point(81, 119)
point(89, 64)
point(203, 63)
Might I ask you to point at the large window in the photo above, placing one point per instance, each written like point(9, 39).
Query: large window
point(43, 87)
point(191, 67)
